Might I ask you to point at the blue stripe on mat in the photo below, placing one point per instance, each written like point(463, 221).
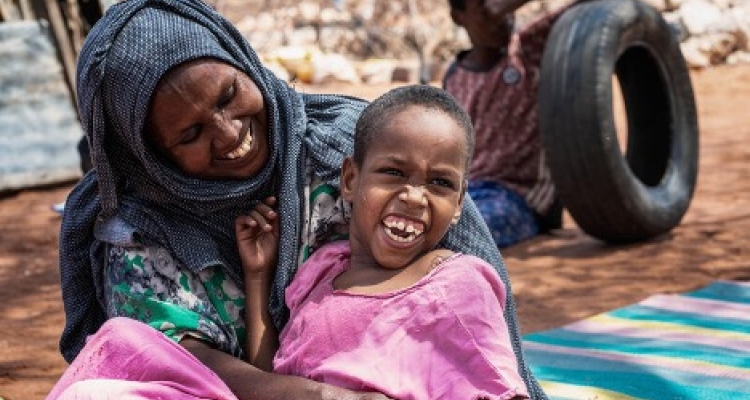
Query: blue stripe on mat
point(622, 344)
point(653, 383)
point(724, 291)
point(644, 313)
point(632, 379)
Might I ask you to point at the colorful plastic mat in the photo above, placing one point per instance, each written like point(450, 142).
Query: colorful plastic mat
point(685, 346)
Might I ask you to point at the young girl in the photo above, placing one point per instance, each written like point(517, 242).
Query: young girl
point(390, 310)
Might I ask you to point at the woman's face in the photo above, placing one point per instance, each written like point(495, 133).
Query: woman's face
point(209, 119)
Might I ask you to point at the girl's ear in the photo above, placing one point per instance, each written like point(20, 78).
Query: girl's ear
point(457, 214)
point(349, 174)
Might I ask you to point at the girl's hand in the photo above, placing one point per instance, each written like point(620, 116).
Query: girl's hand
point(258, 239)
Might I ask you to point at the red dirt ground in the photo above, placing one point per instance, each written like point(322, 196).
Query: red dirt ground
point(556, 279)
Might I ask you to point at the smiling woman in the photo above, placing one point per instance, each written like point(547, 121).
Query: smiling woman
point(210, 130)
point(199, 136)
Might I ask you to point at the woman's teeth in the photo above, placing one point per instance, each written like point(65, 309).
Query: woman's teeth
point(243, 148)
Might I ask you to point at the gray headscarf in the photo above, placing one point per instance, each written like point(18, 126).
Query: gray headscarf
point(132, 196)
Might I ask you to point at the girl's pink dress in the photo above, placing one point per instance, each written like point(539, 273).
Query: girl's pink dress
point(444, 337)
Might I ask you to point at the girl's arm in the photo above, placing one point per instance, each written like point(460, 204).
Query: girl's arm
point(250, 383)
point(257, 242)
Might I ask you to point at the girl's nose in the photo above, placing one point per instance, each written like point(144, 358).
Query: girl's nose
point(414, 195)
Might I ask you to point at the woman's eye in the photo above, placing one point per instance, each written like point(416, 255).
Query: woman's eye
point(190, 135)
point(227, 97)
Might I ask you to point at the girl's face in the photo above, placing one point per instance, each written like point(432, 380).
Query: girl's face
point(408, 190)
point(209, 119)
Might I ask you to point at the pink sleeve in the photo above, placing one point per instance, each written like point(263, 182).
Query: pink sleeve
point(476, 295)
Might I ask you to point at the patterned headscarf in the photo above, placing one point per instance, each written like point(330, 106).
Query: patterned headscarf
point(132, 196)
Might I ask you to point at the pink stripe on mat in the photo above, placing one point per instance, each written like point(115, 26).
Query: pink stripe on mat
point(693, 305)
point(680, 364)
point(603, 324)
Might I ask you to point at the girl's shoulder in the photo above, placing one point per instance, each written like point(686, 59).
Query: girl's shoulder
point(466, 270)
point(438, 257)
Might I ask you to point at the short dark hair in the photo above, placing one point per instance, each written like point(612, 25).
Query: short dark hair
point(457, 4)
point(382, 109)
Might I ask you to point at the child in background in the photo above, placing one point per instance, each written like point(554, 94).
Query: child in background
point(389, 310)
point(496, 81)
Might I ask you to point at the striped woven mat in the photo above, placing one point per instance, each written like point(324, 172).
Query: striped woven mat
point(686, 346)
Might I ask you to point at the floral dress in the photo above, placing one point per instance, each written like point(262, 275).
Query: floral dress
point(147, 284)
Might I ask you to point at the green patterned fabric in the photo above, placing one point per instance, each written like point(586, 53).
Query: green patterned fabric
point(148, 284)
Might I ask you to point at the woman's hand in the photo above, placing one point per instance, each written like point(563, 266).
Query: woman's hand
point(258, 239)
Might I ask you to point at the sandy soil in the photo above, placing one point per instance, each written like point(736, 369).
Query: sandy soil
point(556, 278)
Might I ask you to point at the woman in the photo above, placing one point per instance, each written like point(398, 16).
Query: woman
point(188, 130)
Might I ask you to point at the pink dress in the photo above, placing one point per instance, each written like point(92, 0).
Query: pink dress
point(442, 338)
point(127, 359)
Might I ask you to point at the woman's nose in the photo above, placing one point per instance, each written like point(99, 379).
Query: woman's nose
point(227, 129)
point(414, 195)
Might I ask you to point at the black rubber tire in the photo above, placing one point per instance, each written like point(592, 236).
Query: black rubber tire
point(646, 192)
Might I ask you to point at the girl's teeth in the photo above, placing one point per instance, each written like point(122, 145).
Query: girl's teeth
point(402, 231)
point(402, 239)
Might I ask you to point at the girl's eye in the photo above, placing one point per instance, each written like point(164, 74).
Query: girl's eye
point(442, 182)
point(391, 171)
